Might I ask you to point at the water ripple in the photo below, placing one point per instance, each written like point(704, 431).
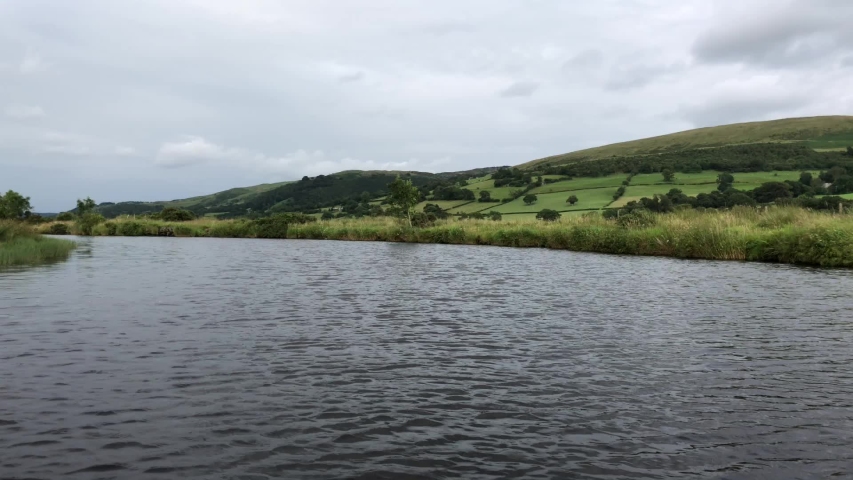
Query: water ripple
point(243, 359)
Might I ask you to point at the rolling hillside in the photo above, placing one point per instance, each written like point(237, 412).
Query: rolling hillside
point(765, 151)
point(822, 133)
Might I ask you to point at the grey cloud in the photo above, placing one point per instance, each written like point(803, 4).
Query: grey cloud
point(24, 111)
point(351, 77)
point(637, 76)
point(263, 87)
point(520, 89)
point(447, 28)
point(585, 59)
point(783, 35)
point(735, 110)
point(32, 63)
point(847, 61)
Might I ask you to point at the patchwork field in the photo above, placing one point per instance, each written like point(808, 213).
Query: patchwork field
point(472, 207)
point(587, 199)
point(636, 192)
point(582, 184)
point(444, 204)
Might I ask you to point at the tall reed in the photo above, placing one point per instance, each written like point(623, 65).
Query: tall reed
point(20, 245)
point(778, 234)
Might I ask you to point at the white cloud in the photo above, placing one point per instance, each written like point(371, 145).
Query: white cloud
point(32, 63)
point(24, 111)
point(520, 89)
point(197, 150)
point(124, 151)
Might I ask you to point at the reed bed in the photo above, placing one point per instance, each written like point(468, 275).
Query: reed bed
point(776, 234)
point(21, 245)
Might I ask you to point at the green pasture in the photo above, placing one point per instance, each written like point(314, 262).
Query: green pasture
point(581, 183)
point(587, 199)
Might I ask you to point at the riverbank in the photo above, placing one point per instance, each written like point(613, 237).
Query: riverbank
point(20, 245)
point(778, 234)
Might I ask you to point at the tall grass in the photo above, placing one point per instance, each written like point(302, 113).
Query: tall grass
point(778, 234)
point(20, 245)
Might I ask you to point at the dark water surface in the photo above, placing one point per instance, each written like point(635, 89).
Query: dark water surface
point(252, 359)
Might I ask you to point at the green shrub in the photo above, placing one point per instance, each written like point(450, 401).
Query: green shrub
point(271, 227)
point(58, 229)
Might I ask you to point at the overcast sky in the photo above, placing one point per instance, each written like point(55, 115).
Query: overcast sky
point(163, 99)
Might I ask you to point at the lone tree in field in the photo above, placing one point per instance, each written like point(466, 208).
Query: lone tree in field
point(14, 206)
point(403, 197)
point(530, 199)
point(668, 175)
point(485, 196)
point(725, 181)
point(548, 215)
point(572, 200)
point(806, 178)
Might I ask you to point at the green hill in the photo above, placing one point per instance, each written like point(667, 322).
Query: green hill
point(822, 133)
point(756, 152)
point(308, 194)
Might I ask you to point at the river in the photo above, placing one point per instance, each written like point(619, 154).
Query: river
point(254, 359)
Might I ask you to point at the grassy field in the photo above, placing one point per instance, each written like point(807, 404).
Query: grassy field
point(472, 208)
point(444, 204)
point(581, 183)
point(777, 234)
point(587, 199)
point(489, 185)
point(20, 245)
point(636, 192)
point(819, 132)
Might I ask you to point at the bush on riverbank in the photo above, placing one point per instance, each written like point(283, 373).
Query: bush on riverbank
point(778, 234)
point(20, 245)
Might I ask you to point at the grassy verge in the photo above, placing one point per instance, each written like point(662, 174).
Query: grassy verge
point(778, 234)
point(20, 245)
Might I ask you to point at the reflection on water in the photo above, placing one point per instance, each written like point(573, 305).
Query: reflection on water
point(214, 358)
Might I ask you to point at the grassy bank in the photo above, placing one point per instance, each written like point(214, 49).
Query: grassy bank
point(778, 234)
point(20, 245)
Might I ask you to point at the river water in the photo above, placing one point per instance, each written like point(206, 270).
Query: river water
point(254, 359)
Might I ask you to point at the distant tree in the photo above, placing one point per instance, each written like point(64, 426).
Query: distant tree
point(692, 167)
point(85, 206)
point(668, 175)
point(837, 172)
point(530, 199)
point(658, 203)
point(13, 205)
point(806, 178)
point(826, 176)
point(850, 151)
point(739, 198)
point(548, 215)
point(172, 214)
point(771, 191)
point(842, 185)
point(435, 211)
point(496, 216)
point(327, 215)
point(725, 181)
point(485, 196)
point(573, 199)
point(64, 217)
point(87, 222)
point(725, 178)
point(403, 197)
point(365, 197)
point(539, 181)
